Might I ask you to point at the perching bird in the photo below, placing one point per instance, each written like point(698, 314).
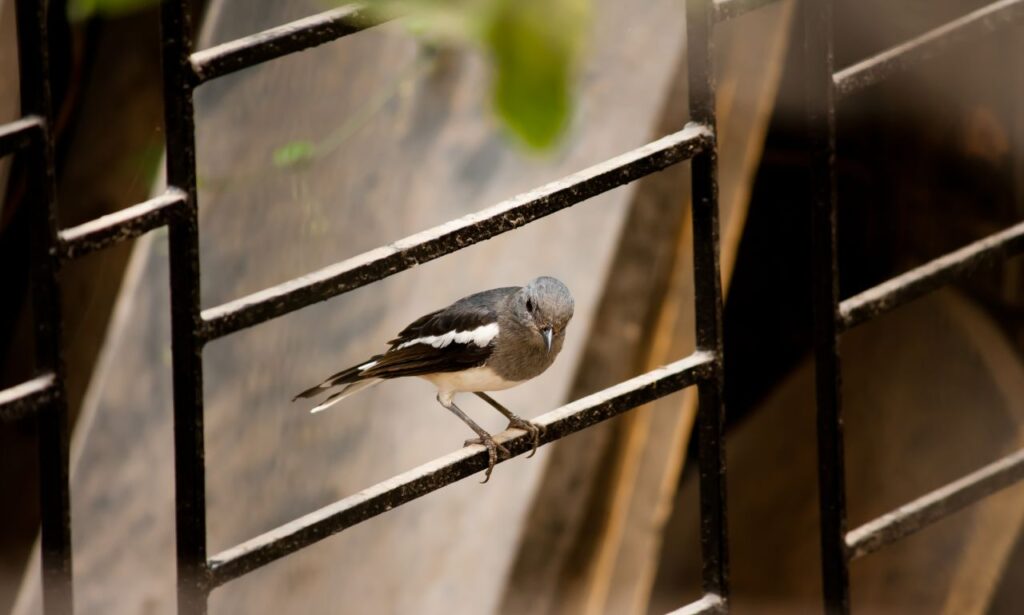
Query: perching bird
point(488, 341)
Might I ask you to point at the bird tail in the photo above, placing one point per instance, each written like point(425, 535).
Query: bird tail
point(352, 375)
point(350, 389)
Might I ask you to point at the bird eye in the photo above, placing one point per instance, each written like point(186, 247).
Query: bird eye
point(529, 305)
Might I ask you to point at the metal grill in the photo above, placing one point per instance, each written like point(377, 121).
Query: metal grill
point(832, 316)
point(192, 327)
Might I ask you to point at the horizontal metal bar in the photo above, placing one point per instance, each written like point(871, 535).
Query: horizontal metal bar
point(926, 46)
point(428, 245)
point(710, 603)
point(19, 133)
point(728, 9)
point(930, 276)
point(443, 471)
point(936, 505)
point(19, 400)
point(282, 40)
point(122, 225)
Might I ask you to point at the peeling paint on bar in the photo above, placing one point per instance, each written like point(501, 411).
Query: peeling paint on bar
point(930, 276)
point(431, 476)
point(935, 506)
point(24, 398)
point(119, 226)
point(446, 238)
point(283, 40)
point(977, 23)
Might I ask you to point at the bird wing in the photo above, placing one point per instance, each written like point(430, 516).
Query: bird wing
point(460, 336)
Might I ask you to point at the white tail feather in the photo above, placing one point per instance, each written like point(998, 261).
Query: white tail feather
point(349, 390)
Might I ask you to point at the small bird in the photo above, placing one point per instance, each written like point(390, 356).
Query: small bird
point(488, 341)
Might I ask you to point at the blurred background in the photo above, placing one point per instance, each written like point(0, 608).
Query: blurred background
point(320, 156)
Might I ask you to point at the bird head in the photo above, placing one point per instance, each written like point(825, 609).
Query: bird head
point(545, 307)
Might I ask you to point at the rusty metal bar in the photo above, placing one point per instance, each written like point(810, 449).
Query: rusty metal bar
point(376, 500)
point(283, 40)
point(123, 225)
point(928, 277)
point(936, 505)
point(447, 238)
point(928, 45)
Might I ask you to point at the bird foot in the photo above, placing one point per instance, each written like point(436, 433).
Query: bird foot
point(493, 449)
point(535, 431)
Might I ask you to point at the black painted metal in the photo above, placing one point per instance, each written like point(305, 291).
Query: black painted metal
point(936, 505)
point(119, 226)
point(919, 49)
point(700, 22)
point(818, 58)
point(298, 35)
point(831, 317)
point(177, 208)
point(454, 235)
point(441, 472)
point(19, 134)
point(186, 344)
point(23, 399)
point(930, 276)
point(51, 411)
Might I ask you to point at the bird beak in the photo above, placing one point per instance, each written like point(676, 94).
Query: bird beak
point(548, 337)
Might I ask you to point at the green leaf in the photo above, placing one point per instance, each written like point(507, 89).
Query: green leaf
point(294, 153)
point(84, 9)
point(535, 46)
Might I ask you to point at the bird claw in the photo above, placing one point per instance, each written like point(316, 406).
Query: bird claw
point(535, 431)
point(493, 449)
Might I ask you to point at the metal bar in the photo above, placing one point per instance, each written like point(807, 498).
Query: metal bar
point(186, 345)
point(936, 505)
point(928, 45)
point(21, 399)
point(119, 226)
point(820, 92)
point(930, 276)
point(428, 245)
point(54, 493)
point(18, 134)
point(298, 35)
point(710, 603)
point(700, 22)
point(369, 503)
point(728, 9)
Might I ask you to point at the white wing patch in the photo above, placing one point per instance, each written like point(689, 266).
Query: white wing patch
point(481, 336)
point(366, 366)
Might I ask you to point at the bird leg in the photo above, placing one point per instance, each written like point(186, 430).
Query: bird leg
point(485, 438)
point(516, 422)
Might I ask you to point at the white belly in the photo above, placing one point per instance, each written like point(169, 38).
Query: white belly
point(470, 380)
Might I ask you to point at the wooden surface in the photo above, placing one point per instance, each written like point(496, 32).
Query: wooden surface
point(422, 148)
point(921, 409)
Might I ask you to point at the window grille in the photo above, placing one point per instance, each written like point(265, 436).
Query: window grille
point(192, 327)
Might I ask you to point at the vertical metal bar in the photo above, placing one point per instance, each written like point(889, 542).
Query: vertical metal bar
point(820, 93)
point(186, 344)
point(55, 499)
point(700, 17)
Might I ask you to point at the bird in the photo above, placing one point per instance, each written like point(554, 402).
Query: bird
point(488, 341)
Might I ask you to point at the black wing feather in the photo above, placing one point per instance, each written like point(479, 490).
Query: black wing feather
point(464, 315)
